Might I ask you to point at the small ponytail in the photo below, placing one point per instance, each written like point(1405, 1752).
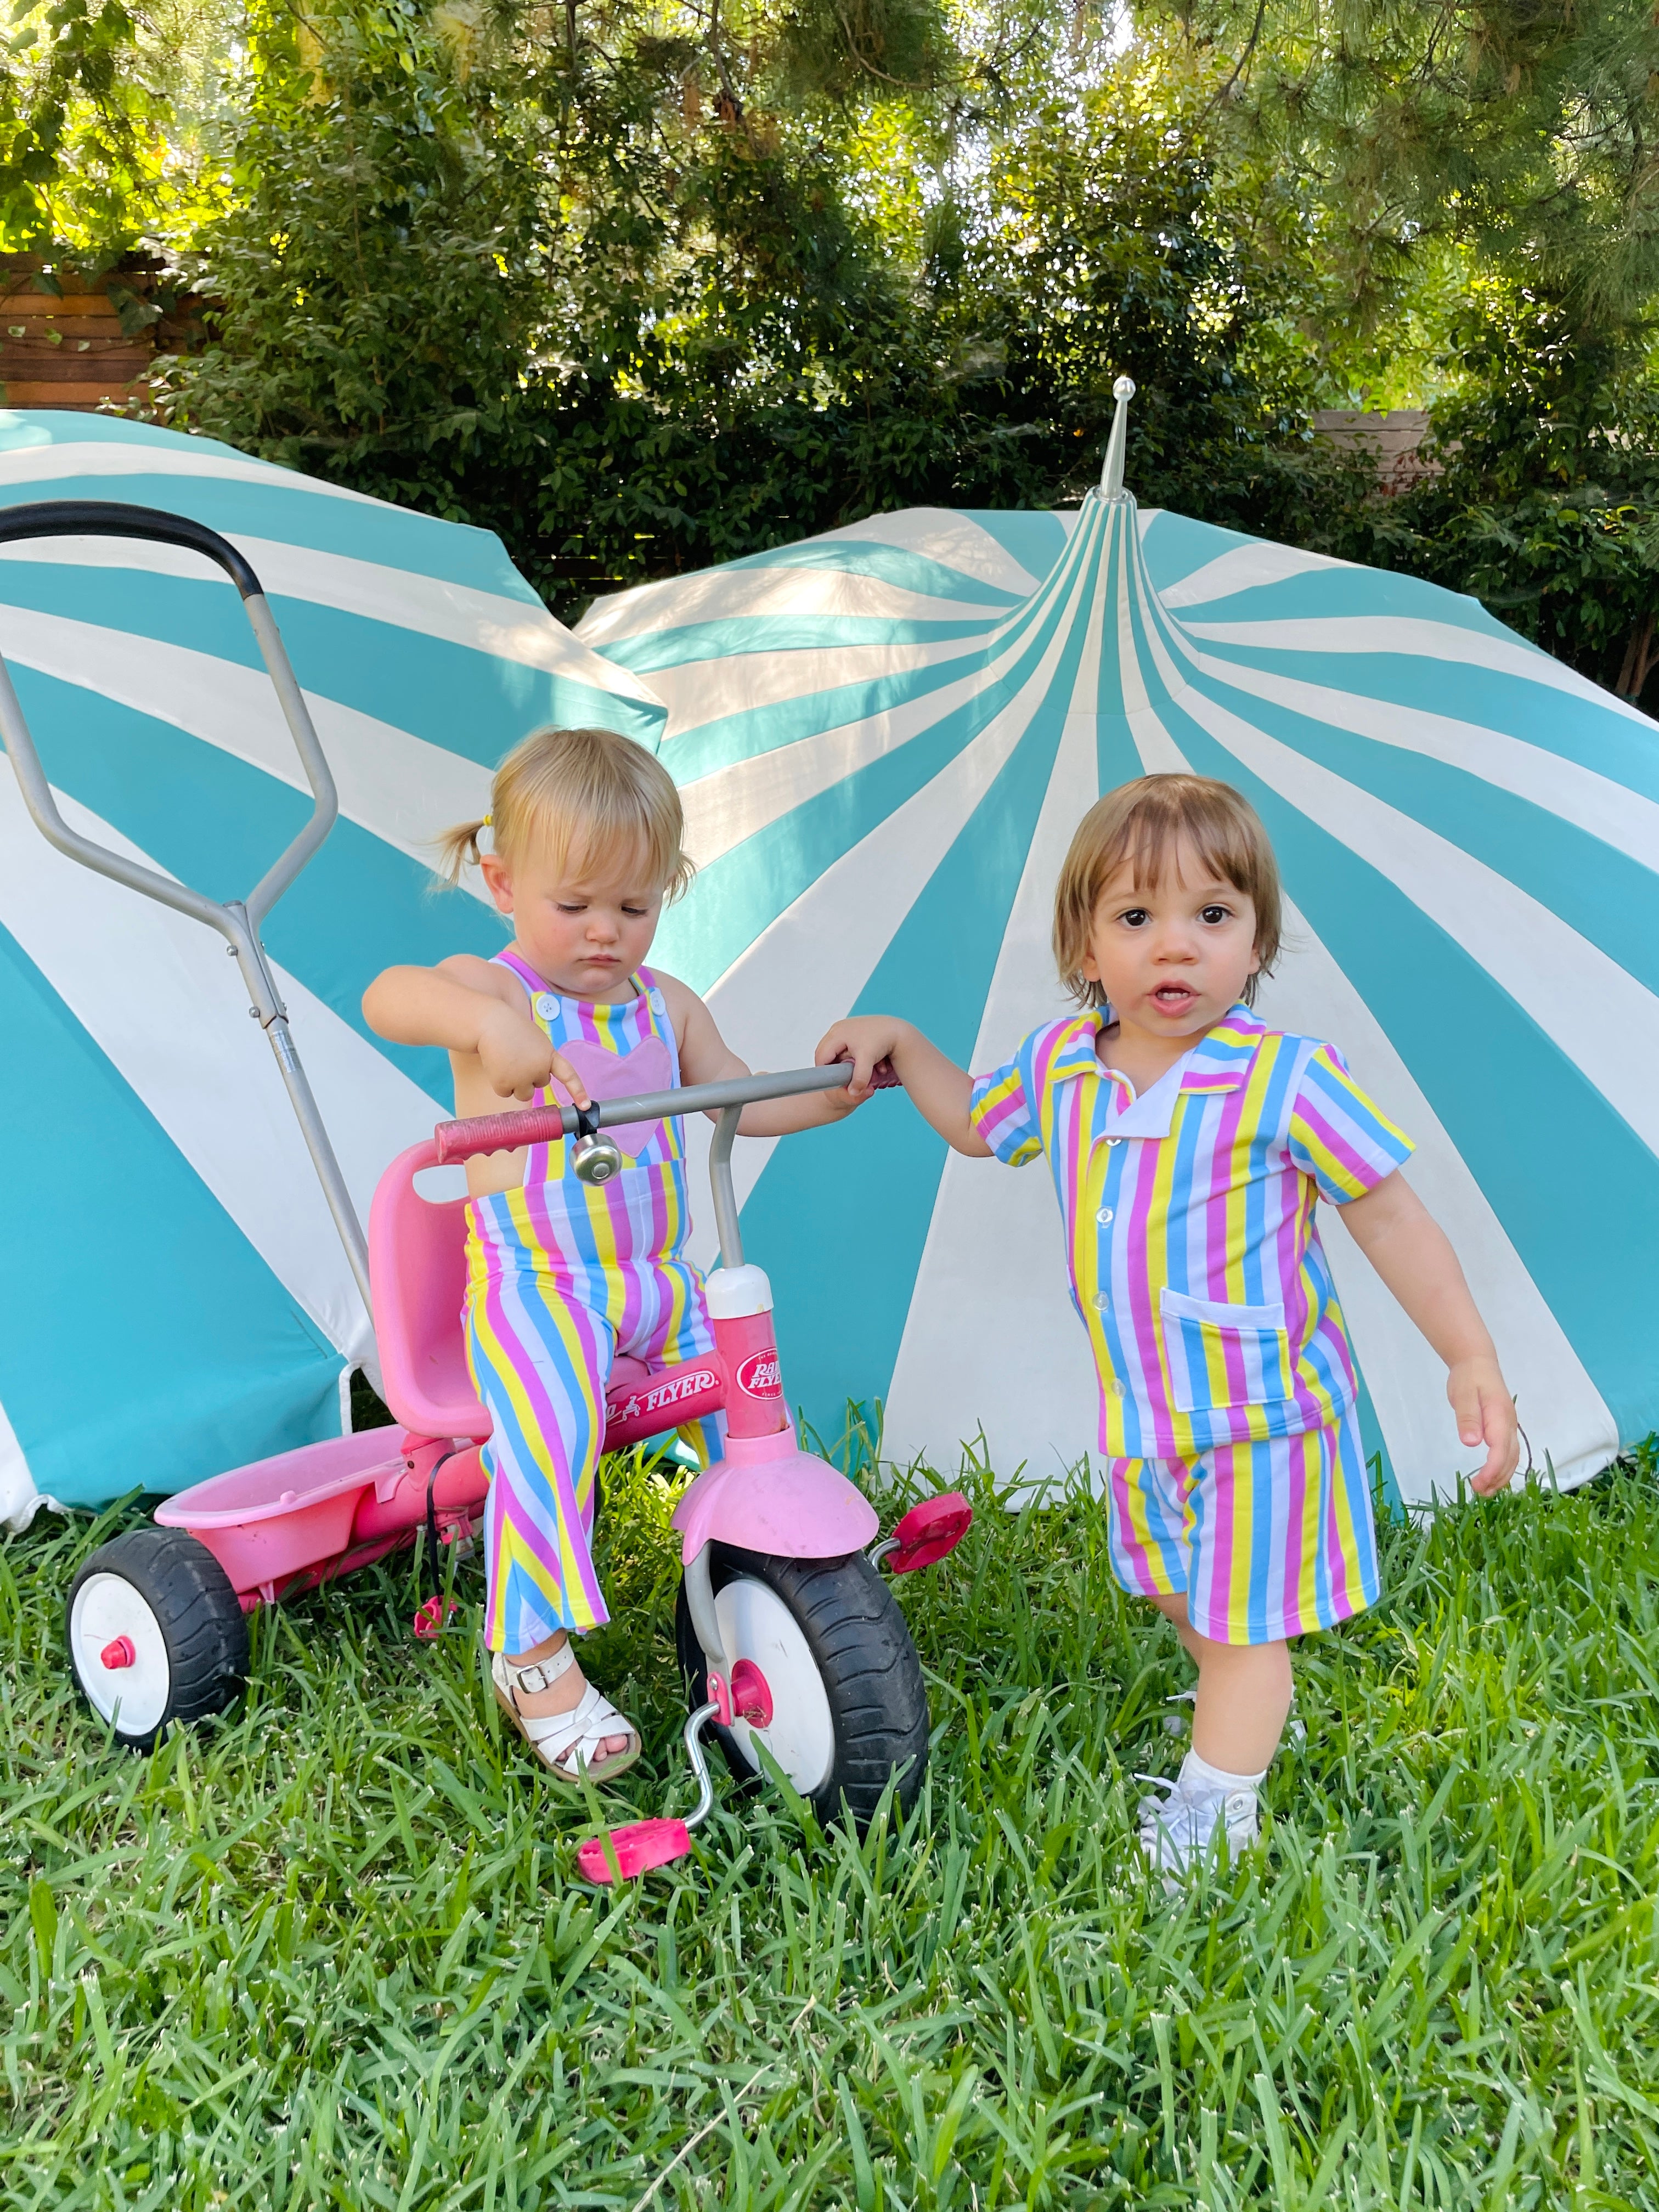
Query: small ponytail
point(457, 848)
point(581, 797)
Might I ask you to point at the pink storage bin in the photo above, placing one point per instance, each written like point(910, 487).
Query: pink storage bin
point(267, 1521)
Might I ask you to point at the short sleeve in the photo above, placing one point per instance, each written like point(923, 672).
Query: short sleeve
point(999, 1111)
point(1337, 1136)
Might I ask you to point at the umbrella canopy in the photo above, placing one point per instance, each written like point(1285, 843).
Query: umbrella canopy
point(885, 738)
point(175, 1299)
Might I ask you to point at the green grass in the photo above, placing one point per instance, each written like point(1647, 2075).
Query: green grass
point(332, 1954)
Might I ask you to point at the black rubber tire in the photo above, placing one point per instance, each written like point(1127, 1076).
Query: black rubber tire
point(202, 1623)
point(868, 1665)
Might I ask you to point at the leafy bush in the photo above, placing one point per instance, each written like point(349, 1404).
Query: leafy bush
point(644, 288)
point(1546, 502)
point(554, 292)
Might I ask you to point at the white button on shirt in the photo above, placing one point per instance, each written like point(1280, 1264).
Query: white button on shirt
point(547, 1005)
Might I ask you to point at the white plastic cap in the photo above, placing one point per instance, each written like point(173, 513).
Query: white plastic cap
point(1124, 388)
point(734, 1292)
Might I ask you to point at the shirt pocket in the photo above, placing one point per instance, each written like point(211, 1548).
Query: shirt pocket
point(1221, 1355)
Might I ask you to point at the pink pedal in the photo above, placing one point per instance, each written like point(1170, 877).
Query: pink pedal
point(432, 1617)
point(928, 1531)
point(640, 1846)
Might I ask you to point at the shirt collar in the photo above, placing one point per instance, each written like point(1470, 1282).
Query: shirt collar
point(1222, 1060)
point(1074, 1052)
point(1219, 1061)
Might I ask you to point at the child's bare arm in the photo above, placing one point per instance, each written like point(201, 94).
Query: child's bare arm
point(938, 1088)
point(469, 1005)
point(706, 1057)
point(1413, 1256)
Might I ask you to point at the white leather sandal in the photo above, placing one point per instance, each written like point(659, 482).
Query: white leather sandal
point(566, 1743)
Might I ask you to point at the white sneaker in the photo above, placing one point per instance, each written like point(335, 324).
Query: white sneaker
point(1177, 1831)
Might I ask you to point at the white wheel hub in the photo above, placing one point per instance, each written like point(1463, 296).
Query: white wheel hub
point(108, 1608)
point(757, 1625)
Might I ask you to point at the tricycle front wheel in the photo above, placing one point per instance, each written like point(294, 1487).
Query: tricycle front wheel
point(849, 1708)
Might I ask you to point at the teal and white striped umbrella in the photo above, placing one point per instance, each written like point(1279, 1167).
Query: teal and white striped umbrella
point(885, 738)
point(174, 1299)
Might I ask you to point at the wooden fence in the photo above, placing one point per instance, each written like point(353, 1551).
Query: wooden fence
point(90, 347)
point(1399, 441)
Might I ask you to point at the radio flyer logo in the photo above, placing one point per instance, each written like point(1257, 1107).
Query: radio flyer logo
point(759, 1376)
point(673, 1390)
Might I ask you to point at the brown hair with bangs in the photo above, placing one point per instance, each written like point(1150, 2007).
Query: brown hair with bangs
point(585, 798)
point(1143, 822)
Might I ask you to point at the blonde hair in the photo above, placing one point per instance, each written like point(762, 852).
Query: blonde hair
point(583, 797)
point(1141, 823)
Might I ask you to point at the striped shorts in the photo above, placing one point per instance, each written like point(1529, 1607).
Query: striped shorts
point(1268, 1539)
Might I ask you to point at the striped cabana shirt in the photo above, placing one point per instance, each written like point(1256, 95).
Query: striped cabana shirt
point(1188, 1215)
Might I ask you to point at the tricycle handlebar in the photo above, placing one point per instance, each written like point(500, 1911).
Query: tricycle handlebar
point(546, 1125)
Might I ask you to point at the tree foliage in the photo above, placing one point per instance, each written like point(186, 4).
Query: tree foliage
point(648, 283)
point(643, 290)
point(1513, 142)
point(81, 146)
point(101, 113)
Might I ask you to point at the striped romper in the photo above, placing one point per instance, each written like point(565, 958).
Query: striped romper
point(1234, 1466)
point(560, 1276)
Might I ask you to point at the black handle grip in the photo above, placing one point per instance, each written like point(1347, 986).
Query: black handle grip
point(109, 518)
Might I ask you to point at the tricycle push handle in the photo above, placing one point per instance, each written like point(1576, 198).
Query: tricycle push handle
point(99, 517)
point(109, 518)
point(237, 921)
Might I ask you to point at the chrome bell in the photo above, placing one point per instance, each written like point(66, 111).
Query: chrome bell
point(594, 1156)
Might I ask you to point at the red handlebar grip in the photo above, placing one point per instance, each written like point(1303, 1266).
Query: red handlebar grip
point(498, 1133)
point(881, 1077)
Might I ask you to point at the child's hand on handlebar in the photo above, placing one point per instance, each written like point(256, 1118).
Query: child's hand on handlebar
point(866, 1040)
point(520, 1060)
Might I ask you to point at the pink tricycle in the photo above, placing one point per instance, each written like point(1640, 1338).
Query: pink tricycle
point(792, 1648)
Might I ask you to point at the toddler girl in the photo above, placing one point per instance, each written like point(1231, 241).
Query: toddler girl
point(1188, 1144)
point(563, 1275)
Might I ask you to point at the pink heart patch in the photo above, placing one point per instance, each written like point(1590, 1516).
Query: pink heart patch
point(623, 1075)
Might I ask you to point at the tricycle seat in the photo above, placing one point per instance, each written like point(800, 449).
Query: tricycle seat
point(418, 1272)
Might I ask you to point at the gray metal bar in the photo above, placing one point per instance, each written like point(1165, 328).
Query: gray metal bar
point(694, 1729)
point(719, 1180)
point(238, 920)
point(707, 1097)
point(308, 1113)
point(464, 1139)
point(700, 1603)
point(295, 712)
point(42, 809)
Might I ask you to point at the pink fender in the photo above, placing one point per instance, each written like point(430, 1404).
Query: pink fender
point(767, 1496)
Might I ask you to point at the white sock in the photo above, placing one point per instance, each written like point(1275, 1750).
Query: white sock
point(1198, 1780)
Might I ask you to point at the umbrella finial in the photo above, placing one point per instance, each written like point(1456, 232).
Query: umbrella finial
point(1111, 476)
